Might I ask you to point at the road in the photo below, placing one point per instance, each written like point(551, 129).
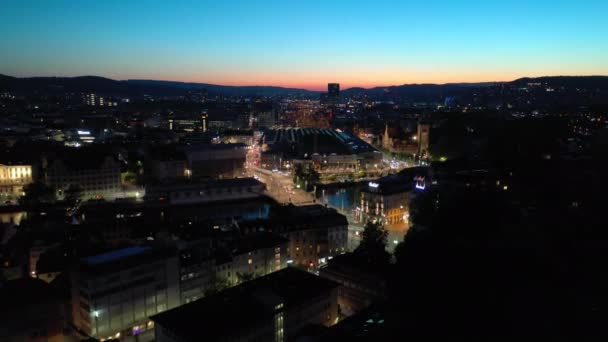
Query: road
point(280, 187)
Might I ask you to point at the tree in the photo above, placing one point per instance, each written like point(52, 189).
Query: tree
point(244, 277)
point(373, 244)
point(220, 285)
point(72, 194)
point(306, 176)
point(37, 193)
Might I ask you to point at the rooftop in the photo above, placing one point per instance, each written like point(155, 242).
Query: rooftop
point(168, 153)
point(115, 255)
point(122, 259)
point(25, 291)
point(206, 183)
point(86, 158)
point(249, 304)
point(257, 241)
point(318, 140)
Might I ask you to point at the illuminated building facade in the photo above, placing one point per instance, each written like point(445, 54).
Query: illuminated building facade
point(204, 119)
point(417, 144)
point(331, 151)
point(254, 255)
point(13, 178)
point(114, 293)
point(386, 201)
point(184, 123)
point(216, 160)
point(388, 198)
point(93, 99)
point(95, 174)
point(336, 164)
point(315, 233)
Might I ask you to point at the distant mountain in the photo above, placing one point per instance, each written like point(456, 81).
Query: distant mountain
point(86, 84)
point(412, 92)
point(583, 82)
point(474, 85)
point(227, 90)
point(406, 92)
point(435, 92)
point(111, 87)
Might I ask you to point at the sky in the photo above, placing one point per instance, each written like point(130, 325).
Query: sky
point(304, 43)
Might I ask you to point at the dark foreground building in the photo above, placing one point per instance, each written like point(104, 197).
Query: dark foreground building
point(30, 311)
point(271, 308)
point(361, 285)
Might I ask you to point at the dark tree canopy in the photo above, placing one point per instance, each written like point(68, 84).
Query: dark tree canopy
point(474, 266)
point(37, 193)
point(73, 193)
point(372, 247)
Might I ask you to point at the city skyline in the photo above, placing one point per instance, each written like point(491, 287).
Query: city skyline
point(304, 45)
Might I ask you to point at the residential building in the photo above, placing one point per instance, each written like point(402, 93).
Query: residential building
point(253, 256)
point(96, 174)
point(315, 233)
point(361, 285)
point(196, 269)
point(275, 307)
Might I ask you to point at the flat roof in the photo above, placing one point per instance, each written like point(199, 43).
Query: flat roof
point(115, 255)
point(239, 309)
point(187, 184)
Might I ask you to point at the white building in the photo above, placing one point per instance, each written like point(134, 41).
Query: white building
point(114, 293)
point(13, 178)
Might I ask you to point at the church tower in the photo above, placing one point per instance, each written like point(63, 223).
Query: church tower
point(424, 130)
point(387, 142)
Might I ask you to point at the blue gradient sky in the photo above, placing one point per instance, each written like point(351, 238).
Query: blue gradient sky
point(304, 43)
